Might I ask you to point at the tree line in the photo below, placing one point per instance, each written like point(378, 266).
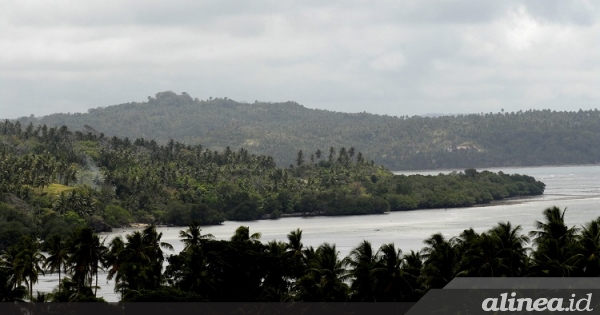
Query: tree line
point(54, 181)
point(522, 138)
point(244, 269)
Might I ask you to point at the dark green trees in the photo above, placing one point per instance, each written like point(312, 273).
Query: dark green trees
point(557, 251)
point(58, 255)
point(86, 254)
point(138, 261)
point(589, 249)
point(324, 280)
point(25, 261)
point(245, 269)
point(363, 262)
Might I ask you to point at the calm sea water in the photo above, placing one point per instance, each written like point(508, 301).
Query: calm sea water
point(576, 188)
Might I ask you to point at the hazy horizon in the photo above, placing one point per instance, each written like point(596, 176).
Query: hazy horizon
point(304, 105)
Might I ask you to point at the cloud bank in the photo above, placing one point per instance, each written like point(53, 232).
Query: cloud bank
point(386, 57)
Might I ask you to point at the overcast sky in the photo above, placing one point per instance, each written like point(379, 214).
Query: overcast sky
point(385, 57)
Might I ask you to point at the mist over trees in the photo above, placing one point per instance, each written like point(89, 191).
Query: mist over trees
point(54, 181)
point(524, 138)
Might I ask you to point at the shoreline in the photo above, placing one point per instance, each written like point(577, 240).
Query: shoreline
point(449, 170)
point(507, 201)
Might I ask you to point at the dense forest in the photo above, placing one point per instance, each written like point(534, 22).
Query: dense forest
point(54, 181)
point(528, 138)
point(58, 188)
point(244, 269)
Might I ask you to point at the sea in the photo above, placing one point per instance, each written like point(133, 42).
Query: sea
point(574, 188)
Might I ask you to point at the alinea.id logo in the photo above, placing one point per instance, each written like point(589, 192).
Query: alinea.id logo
point(514, 304)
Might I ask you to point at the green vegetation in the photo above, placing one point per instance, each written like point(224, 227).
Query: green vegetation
point(55, 181)
point(244, 269)
point(279, 130)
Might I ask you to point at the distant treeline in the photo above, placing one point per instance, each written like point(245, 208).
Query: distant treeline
point(243, 269)
point(54, 181)
point(523, 138)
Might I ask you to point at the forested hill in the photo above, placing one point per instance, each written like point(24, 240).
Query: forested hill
point(53, 181)
point(400, 143)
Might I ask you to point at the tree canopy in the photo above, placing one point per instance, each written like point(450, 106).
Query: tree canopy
point(280, 130)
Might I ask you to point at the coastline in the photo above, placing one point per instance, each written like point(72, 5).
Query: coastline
point(485, 168)
point(507, 201)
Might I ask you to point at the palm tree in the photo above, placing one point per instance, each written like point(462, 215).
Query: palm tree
point(511, 248)
point(325, 279)
point(556, 254)
point(58, 255)
point(412, 265)
point(154, 245)
point(113, 260)
point(28, 263)
point(363, 261)
point(276, 284)
point(192, 237)
point(11, 289)
point(131, 263)
point(391, 279)
point(318, 154)
point(187, 270)
point(441, 263)
point(294, 253)
point(86, 255)
point(589, 245)
point(480, 258)
point(138, 263)
point(242, 234)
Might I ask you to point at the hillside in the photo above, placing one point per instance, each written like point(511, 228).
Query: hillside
point(53, 180)
point(58, 187)
point(400, 143)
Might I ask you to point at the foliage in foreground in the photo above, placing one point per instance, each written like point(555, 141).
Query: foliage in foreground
point(244, 269)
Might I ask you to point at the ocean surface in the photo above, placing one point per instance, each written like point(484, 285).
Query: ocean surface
point(576, 188)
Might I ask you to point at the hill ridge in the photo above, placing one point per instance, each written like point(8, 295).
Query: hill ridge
point(280, 129)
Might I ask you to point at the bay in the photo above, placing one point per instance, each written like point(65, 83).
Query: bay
point(576, 188)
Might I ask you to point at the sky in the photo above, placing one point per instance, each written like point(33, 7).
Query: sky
point(397, 57)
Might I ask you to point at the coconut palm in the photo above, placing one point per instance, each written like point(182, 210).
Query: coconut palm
point(192, 236)
point(113, 260)
point(139, 263)
point(154, 245)
point(512, 248)
point(187, 270)
point(390, 282)
point(242, 234)
point(556, 252)
point(442, 260)
point(277, 282)
point(325, 278)
point(589, 249)
point(11, 289)
point(412, 265)
point(131, 264)
point(28, 263)
point(58, 254)
point(363, 261)
point(294, 252)
point(480, 258)
point(86, 255)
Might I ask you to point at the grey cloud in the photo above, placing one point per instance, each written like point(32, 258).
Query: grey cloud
point(579, 12)
point(387, 57)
